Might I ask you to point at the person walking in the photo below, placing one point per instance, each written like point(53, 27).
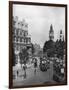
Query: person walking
point(35, 65)
point(17, 73)
point(24, 68)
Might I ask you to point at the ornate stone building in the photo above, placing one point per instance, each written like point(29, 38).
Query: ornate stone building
point(21, 38)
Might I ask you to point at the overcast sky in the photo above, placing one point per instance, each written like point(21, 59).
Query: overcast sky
point(39, 19)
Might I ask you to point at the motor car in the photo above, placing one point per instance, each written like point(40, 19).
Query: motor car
point(44, 64)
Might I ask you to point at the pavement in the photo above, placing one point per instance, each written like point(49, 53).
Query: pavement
point(33, 78)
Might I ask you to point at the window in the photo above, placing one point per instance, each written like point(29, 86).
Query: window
point(29, 39)
point(15, 31)
point(14, 39)
point(18, 39)
point(22, 40)
point(20, 32)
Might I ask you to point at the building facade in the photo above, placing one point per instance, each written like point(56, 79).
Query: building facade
point(21, 38)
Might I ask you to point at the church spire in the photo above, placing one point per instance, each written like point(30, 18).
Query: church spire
point(51, 33)
point(51, 28)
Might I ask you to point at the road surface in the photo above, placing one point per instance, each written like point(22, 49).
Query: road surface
point(33, 78)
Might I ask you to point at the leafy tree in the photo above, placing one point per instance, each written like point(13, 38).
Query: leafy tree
point(59, 48)
point(49, 47)
point(33, 49)
point(23, 56)
point(54, 48)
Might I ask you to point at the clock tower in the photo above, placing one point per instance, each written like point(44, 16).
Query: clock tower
point(51, 33)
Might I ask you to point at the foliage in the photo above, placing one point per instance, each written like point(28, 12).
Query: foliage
point(49, 48)
point(54, 48)
point(33, 49)
point(23, 56)
point(59, 48)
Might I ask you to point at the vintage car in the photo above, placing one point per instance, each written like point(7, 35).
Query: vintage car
point(58, 70)
point(44, 64)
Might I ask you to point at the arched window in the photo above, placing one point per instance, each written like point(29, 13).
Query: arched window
point(19, 32)
point(22, 40)
point(14, 39)
point(18, 39)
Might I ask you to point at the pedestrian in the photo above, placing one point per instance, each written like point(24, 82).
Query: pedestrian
point(35, 65)
point(24, 68)
point(17, 73)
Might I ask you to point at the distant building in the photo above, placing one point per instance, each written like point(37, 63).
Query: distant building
point(37, 48)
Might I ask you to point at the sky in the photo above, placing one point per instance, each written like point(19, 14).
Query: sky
point(39, 19)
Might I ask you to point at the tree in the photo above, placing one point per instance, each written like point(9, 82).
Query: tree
point(59, 48)
point(23, 56)
point(33, 49)
point(49, 47)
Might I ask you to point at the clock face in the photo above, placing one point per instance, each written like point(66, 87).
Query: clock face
point(51, 34)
